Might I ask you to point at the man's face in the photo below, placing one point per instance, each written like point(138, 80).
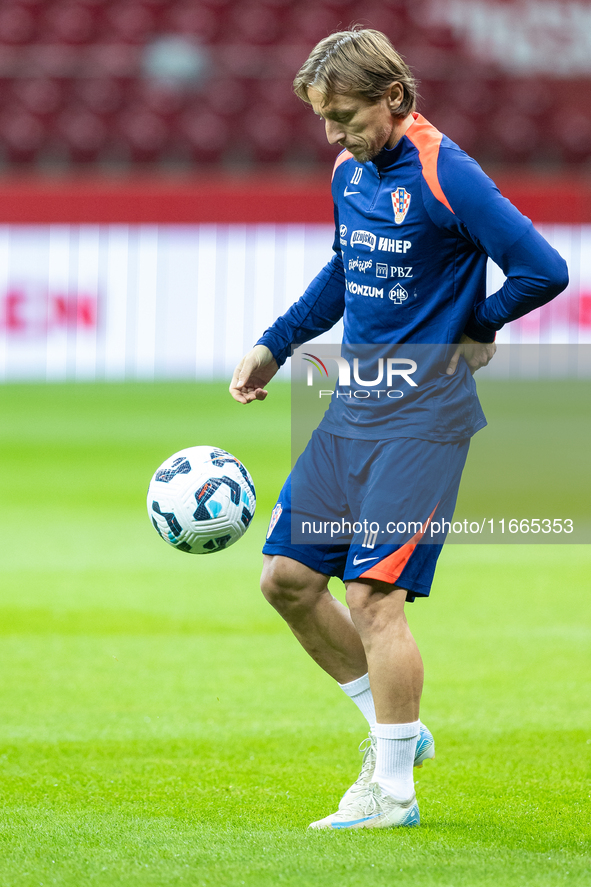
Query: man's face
point(360, 126)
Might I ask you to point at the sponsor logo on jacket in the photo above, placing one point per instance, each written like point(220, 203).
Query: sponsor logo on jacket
point(388, 245)
point(363, 238)
point(360, 289)
point(398, 294)
point(362, 265)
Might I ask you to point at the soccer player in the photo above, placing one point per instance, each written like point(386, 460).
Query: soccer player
point(416, 219)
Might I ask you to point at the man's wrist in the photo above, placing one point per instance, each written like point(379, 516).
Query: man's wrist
point(266, 343)
point(479, 333)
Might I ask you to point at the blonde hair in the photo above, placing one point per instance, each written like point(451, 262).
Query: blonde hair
point(361, 62)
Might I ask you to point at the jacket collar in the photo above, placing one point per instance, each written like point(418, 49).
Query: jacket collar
point(389, 157)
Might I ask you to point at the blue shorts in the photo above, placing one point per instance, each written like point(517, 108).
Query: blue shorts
point(369, 509)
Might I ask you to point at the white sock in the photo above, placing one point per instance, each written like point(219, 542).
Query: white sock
point(359, 691)
point(395, 758)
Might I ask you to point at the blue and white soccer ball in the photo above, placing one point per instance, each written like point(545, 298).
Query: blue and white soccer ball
point(201, 500)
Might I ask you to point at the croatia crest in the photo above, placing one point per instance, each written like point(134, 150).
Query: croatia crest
point(401, 203)
point(274, 518)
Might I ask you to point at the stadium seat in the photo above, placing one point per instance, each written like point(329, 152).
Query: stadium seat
point(205, 136)
point(516, 135)
point(530, 96)
point(268, 134)
point(458, 127)
point(22, 135)
point(157, 98)
point(473, 96)
point(142, 134)
point(310, 22)
point(224, 96)
point(310, 139)
point(82, 134)
point(38, 95)
point(17, 25)
point(103, 96)
point(69, 22)
point(194, 20)
point(277, 96)
point(253, 23)
point(130, 22)
point(381, 18)
point(572, 130)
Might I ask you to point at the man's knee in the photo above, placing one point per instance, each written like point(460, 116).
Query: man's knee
point(290, 585)
point(372, 601)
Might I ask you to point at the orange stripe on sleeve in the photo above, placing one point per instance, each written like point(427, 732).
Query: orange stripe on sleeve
point(427, 140)
point(391, 567)
point(344, 155)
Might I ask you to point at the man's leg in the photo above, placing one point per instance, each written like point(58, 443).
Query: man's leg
point(394, 662)
point(396, 674)
point(322, 625)
point(396, 678)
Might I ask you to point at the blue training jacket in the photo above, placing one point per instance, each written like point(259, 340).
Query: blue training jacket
point(414, 228)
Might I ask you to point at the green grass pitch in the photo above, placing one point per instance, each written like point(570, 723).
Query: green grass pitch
point(160, 726)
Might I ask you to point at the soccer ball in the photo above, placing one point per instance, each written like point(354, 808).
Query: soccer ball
point(201, 500)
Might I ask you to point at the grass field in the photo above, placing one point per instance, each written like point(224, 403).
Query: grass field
point(160, 726)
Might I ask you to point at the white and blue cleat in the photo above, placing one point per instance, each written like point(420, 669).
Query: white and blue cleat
point(356, 794)
point(371, 808)
point(424, 751)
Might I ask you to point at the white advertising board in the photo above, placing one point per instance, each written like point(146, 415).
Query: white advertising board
point(84, 302)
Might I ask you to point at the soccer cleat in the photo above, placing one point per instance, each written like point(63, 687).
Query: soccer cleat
point(369, 748)
point(371, 808)
point(425, 749)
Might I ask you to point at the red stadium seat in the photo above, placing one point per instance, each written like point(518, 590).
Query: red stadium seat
point(474, 96)
point(311, 22)
point(224, 96)
point(101, 95)
point(83, 134)
point(40, 96)
point(516, 136)
point(22, 135)
point(130, 22)
point(143, 135)
point(309, 139)
point(205, 136)
point(255, 23)
point(268, 134)
point(157, 98)
point(458, 127)
point(277, 96)
point(381, 18)
point(572, 131)
point(530, 96)
point(69, 22)
point(194, 20)
point(17, 25)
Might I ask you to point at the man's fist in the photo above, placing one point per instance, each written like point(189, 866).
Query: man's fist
point(254, 371)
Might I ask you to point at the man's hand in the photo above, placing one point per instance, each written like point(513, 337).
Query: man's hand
point(251, 375)
point(476, 354)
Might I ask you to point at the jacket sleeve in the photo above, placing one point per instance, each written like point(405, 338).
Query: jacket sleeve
point(535, 271)
point(321, 306)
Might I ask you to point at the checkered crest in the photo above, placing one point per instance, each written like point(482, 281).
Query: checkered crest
point(400, 202)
